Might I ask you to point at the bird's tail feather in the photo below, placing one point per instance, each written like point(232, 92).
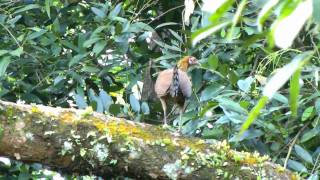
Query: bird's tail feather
point(174, 87)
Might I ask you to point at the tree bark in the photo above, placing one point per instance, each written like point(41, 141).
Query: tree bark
point(84, 142)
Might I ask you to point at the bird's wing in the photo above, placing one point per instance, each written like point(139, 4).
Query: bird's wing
point(163, 82)
point(185, 84)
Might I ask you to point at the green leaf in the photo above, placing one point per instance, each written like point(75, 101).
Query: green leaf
point(317, 106)
point(245, 84)
point(176, 35)
point(219, 9)
point(145, 108)
point(135, 105)
point(297, 166)
point(310, 134)
point(166, 46)
point(17, 52)
point(48, 3)
point(307, 113)
point(70, 45)
point(254, 114)
point(90, 69)
point(14, 20)
point(207, 31)
point(36, 34)
point(27, 7)
point(4, 63)
point(283, 74)
point(235, 19)
point(140, 26)
point(230, 105)
point(210, 92)
point(303, 154)
point(213, 61)
point(294, 92)
point(76, 59)
point(80, 101)
point(99, 46)
point(91, 41)
point(314, 176)
point(115, 11)
point(169, 56)
point(166, 24)
point(316, 10)
point(100, 13)
point(265, 13)
point(115, 109)
point(286, 29)
point(106, 99)
point(2, 52)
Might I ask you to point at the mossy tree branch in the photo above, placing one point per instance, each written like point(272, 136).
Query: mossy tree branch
point(84, 142)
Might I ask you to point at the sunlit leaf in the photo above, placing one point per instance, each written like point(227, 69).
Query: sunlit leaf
point(217, 8)
point(254, 114)
point(235, 19)
point(294, 92)
point(283, 74)
point(207, 31)
point(166, 24)
point(314, 176)
point(288, 28)
point(265, 13)
point(307, 113)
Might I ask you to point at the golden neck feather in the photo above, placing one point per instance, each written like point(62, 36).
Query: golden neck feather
point(183, 64)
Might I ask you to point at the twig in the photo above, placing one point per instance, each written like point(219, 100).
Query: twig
point(158, 17)
point(293, 143)
point(14, 38)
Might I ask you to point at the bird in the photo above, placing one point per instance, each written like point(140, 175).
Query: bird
point(174, 85)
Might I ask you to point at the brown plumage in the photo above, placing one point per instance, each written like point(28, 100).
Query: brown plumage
point(175, 85)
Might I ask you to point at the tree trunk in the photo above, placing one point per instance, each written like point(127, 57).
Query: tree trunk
point(84, 142)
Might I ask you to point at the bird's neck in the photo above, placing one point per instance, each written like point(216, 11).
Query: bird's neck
point(183, 64)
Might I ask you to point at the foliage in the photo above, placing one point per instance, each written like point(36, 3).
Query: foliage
point(95, 53)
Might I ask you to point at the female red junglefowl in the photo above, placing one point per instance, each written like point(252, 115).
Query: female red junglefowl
point(175, 85)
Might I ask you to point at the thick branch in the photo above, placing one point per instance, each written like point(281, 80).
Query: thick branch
point(85, 142)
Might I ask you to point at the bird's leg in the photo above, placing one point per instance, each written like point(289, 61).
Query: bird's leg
point(164, 107)
point(180, 119)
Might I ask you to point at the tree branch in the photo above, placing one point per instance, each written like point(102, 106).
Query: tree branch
point(85, 142)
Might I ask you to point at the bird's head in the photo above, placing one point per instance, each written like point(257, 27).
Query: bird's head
point(186, 62)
